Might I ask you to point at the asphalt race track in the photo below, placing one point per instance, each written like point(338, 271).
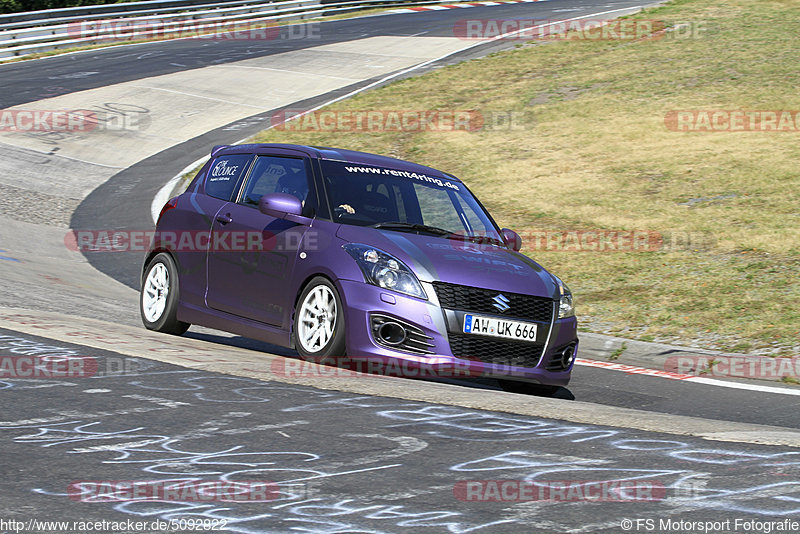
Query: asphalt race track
point(346, 453)
point(344, 462)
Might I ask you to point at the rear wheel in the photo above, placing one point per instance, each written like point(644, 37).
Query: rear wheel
point(158, 301)
point(319, 322)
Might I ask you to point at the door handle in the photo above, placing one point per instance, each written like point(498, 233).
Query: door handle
point(224, 219)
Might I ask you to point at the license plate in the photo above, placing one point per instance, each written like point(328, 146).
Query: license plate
point(493, 326)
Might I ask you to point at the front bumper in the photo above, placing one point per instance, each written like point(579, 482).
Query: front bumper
point(547, 361)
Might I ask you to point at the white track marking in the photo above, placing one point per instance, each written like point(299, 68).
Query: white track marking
point(633, 370)
point(174, 91)
point(234, 66)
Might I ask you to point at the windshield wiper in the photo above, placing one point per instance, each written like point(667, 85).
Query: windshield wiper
point(401, 226)
point(479, 239)
point(397, 225)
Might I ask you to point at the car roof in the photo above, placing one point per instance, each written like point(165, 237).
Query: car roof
point(335, 154)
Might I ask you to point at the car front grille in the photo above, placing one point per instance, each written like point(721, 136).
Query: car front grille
point(478, 300)
point(497, 352)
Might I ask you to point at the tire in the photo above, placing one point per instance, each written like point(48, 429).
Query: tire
point(159, 296)
point(319, 329)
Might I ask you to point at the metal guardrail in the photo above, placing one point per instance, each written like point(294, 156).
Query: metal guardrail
point(105, 11)
point(41, 17)
point(163, 19)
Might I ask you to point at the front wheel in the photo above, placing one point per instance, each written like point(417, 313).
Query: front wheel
point(158, 301)
point(319, 322)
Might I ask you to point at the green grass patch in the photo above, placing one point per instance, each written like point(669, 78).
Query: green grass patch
point(617, 352)
point(593, 152)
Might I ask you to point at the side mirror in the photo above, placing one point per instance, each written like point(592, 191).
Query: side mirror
point(512, 238)
point(280, 205)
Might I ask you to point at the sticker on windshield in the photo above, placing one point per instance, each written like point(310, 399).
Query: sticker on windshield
point(405, 174)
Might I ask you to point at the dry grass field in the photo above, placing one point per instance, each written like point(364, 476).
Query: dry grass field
point(590, 150)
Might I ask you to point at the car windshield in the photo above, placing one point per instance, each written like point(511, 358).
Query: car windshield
point(405, 201)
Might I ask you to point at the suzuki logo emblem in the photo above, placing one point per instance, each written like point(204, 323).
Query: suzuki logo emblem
point(501, 303)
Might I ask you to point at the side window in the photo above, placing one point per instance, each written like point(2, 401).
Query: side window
point(273, 174)
point(224, 173)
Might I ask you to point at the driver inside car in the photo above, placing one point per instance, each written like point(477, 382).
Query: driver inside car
point(343, 206)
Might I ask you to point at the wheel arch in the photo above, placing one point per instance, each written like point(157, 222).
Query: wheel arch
point(302, 287)
point(152, 254)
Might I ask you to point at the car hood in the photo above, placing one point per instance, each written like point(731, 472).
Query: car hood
point(458, 262)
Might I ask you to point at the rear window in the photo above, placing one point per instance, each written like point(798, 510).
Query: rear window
point(224, 173)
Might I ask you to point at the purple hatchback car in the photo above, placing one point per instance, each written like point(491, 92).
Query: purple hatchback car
point(337, 254)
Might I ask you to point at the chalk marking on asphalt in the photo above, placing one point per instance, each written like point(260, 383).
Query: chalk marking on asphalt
point(118, 446)
point(7, 258)
point(140, 343)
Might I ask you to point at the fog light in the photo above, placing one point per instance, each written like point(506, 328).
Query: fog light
point(392, 333)
point(566, 356)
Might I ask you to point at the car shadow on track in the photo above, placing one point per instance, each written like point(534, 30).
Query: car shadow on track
point(520, 388)
point(241, 342)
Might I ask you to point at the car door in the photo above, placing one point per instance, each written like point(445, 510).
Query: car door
point(252, 257)
point(192, 219)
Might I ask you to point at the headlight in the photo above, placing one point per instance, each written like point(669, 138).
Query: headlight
point(384, 270)
point(566, 307)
